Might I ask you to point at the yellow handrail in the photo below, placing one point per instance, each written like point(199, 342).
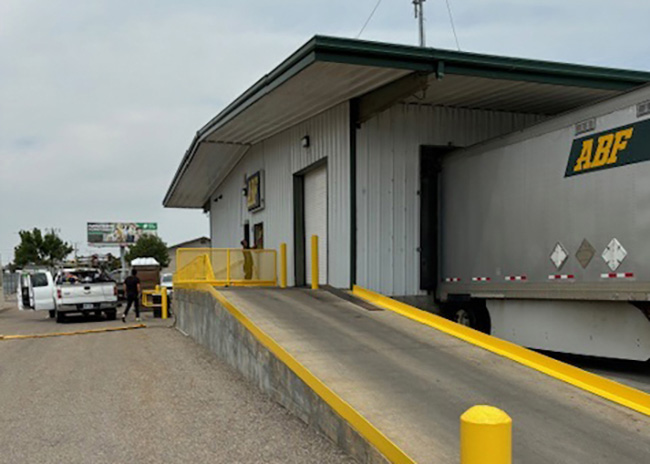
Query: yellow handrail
point(226, 266)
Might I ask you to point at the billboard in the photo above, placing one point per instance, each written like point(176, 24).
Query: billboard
point(118, 233)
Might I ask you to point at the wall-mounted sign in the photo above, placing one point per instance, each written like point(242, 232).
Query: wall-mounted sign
point(118, 233)
point(255, 191)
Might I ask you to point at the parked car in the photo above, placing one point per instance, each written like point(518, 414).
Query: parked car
point(85, 291)
point(167, 282)
point(35, 291)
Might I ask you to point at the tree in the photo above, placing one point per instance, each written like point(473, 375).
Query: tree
point(41, 250)
point(149, 246)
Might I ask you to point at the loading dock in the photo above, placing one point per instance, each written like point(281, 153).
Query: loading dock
point(412, 382)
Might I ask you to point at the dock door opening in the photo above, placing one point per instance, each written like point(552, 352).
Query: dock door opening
point(430, 166)
point(310, 218)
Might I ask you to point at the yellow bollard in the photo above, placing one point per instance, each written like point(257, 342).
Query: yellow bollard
point(485, 436)
point(228, 267)
point(314, 262)
point(163, 302)
point(283, 265)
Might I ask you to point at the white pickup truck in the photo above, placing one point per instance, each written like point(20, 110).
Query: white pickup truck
point(86, 291)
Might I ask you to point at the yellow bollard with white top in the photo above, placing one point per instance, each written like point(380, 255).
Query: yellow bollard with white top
point(485, 436)
point(314, 262)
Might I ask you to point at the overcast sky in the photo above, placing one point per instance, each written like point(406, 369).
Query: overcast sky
point(99, 99)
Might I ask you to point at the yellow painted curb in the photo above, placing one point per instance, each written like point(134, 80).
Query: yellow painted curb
point(78, 332)
point(389, 449)
point(605, 388)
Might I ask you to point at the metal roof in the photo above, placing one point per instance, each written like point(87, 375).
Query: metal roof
point(327, 71)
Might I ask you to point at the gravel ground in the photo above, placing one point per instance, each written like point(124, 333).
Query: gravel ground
point(145, 396)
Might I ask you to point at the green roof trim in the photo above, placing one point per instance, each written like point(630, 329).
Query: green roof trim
point(416, 59)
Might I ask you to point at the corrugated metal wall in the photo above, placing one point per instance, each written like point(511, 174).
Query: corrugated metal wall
point(280, 157)
point(388, 182)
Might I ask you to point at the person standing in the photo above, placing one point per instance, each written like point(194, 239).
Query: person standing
point(132, 292)
point(248, 260)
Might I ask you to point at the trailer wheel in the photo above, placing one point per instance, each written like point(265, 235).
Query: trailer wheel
point(471, 314)
point(464, 316)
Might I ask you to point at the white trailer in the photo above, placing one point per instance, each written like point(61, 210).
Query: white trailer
point(544, 234)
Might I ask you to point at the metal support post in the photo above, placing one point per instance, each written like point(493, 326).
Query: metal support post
point(283, 265)
point(485, 436)
point(122, 262)
point(314, 262)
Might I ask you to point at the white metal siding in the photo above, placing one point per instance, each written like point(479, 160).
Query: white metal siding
point(388, 182)
point(280, 157)
point(316, 221)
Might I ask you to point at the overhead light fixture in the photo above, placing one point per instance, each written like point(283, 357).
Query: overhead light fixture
point(305, 141)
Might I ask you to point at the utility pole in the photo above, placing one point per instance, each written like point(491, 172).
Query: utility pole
point(2, 290)
point(419, 15)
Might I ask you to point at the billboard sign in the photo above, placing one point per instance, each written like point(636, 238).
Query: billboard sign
point(118, 233)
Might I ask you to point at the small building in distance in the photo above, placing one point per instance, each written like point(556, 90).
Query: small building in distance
point(201, 242)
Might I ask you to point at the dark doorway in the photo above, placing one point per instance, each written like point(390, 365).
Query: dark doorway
point(247, 233)
point(258, 235)
point(430, 167)
point(299, 228)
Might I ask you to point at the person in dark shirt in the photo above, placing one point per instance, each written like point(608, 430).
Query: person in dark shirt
point(132, 292)
point(248, 260)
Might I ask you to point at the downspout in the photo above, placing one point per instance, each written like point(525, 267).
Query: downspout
point(354, 116)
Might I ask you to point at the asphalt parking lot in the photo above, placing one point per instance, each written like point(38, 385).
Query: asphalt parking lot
point(147, 395)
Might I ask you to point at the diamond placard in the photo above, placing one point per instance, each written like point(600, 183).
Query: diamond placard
point(559, 256)
point(585, 253)
point(614, 254)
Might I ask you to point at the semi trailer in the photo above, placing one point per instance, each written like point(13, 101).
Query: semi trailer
point(542, 236)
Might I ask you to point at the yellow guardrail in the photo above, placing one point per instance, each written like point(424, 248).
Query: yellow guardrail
point(226, 267)
point(148, 300)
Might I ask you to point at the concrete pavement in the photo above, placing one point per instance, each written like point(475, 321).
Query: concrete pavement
point(413, 383)
point(146, 396)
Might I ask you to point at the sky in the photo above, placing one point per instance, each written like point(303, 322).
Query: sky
point(99, 99)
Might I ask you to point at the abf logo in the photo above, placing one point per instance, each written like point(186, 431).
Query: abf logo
point(618, 147)
point(608, 147)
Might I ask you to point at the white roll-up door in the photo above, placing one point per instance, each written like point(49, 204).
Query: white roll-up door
point(316, 220)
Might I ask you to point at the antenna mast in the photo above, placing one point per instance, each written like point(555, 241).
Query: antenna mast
point(419, 15)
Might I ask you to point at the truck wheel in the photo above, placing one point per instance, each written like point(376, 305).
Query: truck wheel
point(52, 313)
point(60, 317)
point(470, 314)
point(111, 314)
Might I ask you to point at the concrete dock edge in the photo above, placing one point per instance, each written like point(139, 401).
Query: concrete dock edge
point(205, 315)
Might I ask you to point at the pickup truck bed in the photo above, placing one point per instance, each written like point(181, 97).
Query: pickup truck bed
point(85, 291)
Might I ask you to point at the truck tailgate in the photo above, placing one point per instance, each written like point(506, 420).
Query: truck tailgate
point(87, 293)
